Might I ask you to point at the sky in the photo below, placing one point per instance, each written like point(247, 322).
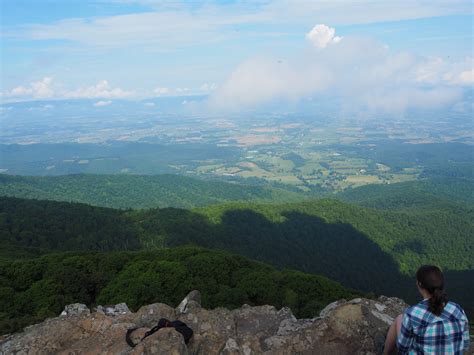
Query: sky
point(375, 54)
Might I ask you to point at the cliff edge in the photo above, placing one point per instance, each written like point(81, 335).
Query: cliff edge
point(357, 326)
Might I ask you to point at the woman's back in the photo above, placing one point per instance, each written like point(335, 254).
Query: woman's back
point(424, 332)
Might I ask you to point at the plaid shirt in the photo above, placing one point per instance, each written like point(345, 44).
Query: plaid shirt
point(425, 333)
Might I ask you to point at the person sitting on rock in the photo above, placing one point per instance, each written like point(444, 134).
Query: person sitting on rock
point(433, 326)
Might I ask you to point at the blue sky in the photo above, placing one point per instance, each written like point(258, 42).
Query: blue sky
point(110, 49)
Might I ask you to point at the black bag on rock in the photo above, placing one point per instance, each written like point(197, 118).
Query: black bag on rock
point(179, 326)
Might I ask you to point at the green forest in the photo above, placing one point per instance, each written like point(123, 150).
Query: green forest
point(413, 195)
point(362, 248)
point(370, 239)
point(138, 191)
point(33, 289)
point(283, 234)
point(159, 191)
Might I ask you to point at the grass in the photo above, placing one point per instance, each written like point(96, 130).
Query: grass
point(363, 179)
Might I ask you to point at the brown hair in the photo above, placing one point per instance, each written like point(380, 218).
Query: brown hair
point(431, 279)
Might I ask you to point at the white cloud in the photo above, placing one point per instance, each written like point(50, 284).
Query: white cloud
point(463, 74)
point(363, 73)
point(321, 35)
point(161, 91)
point(102, 103)
point(20, 91)
point(41, 89)
point(260, 80)
point(101, 90)
point(437, 70)
point(46, 89)
point(466, 77)
point(429, 71)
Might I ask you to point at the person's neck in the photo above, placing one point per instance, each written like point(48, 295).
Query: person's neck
point(425, 294)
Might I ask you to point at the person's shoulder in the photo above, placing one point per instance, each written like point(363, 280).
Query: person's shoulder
point(418, 310)
point(453, 309)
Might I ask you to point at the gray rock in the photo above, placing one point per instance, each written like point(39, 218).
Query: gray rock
point(326, 310)
point(191, 302)
point(166, 341)
point(358, 326)
point(115, 310)
point(148, 316)
point(231, 347)
point(75, 309)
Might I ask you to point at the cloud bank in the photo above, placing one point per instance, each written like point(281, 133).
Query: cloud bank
point(46, 88)
point(361, 72)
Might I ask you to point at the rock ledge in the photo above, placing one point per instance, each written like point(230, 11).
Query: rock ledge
point(357, 326)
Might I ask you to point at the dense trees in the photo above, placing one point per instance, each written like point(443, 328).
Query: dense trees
point(373, 244)
point(138, 191)
point(345, 242)
point(414, 195)
point(371, 250)
point(33, 289)
point(37, 227)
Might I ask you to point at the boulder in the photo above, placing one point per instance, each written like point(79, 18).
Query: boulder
point(148, 316)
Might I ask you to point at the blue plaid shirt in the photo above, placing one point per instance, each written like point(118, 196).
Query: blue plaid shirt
point(425, 333)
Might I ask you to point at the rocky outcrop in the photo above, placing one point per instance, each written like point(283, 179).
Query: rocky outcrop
point(344, 327)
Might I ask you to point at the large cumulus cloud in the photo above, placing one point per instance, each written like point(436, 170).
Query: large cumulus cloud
point(362, 72)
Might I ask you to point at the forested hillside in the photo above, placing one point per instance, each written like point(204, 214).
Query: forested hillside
point(151, 191)
point(34, 289)
point(362, 248)
point(31, 228)
point(427, 193)
point(138, 191)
